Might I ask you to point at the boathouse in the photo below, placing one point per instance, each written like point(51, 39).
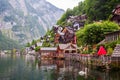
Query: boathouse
point(62, 49)
point(47, 52)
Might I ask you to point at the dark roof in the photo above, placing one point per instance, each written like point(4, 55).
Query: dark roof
point(48, 49)
point(70, 30)
point(118, 31)
point(118, 6)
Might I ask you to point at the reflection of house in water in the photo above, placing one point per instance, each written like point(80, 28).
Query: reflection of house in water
point(47, 65)
point(51, 64)
point(116, 14)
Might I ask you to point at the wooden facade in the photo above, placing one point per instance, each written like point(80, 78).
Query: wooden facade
point(112, 36)
point(78, 18)
point(65, 48)
point(66, 38)
point(77, 21)
point(47, 52)
point(56, 39)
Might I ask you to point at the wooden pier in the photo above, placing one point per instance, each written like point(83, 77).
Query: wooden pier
point(88, 59)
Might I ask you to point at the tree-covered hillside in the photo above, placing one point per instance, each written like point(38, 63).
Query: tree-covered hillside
point(97, 24)
point(94, 9)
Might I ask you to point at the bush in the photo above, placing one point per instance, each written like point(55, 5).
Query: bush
point(95, 32)
point(85, 52)
point(37, 48)
point(109, 51)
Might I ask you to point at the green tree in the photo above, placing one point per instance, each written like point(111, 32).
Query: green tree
point(37, 48)
point(65, 16)
point(93, 33)
point(94, 9)
point(99, 9)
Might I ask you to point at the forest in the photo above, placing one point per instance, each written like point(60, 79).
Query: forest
point(94, 9)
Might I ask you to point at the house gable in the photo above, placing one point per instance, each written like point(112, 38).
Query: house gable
point(71, 47)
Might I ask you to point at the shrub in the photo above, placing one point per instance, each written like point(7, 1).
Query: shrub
point(95, 32)
point(37, 48)
point(109, 51)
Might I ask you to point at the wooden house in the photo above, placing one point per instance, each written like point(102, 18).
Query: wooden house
point(112, 36)
point(47, 52)
point(78, 18)
point(67, 37)
point(56, 39)
point(116, 14)
point(65, 48)
point(77, 21)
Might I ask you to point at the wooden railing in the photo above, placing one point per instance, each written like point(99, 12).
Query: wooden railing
point(88, 59)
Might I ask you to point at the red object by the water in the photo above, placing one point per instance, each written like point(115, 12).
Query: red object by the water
point(102, 51)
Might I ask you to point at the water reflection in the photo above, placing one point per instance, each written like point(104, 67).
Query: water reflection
point(29, 68)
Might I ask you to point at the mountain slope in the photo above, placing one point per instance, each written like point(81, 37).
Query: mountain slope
point(27, 19)
point(7, 43)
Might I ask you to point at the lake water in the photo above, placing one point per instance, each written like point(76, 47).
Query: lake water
point(29, 68)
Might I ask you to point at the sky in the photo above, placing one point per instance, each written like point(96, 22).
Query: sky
point(64, 4)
